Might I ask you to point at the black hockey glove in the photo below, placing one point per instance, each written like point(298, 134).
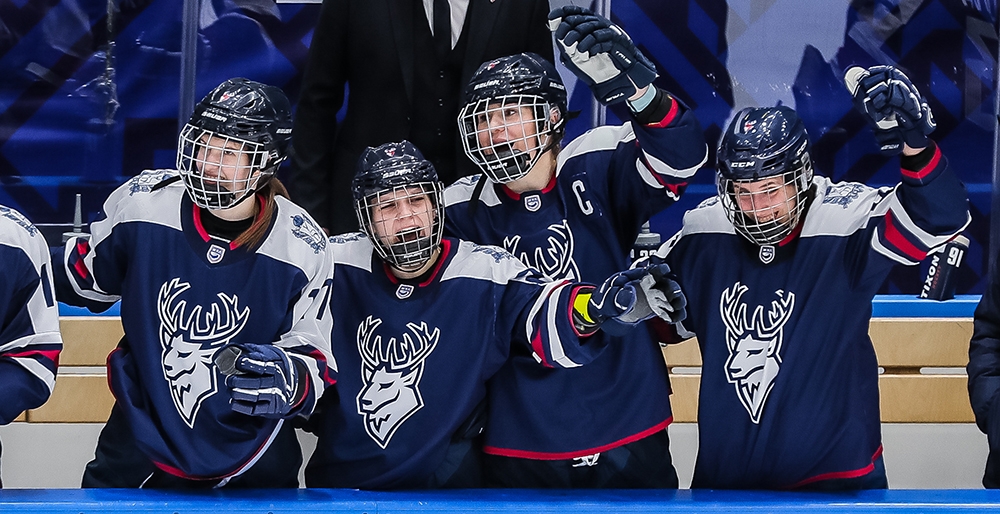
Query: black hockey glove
point(634, 295)
point(600, 54)
point(262, 378)
point(892, 105)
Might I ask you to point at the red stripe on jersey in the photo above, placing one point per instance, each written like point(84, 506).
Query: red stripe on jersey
point(198, 225)
point(896, 237)
point(524, 454)
point(320, 358)
point(81, 270)
point(671, 114)
point(517, 196)
point(536, 346)
point(931, 166)
point(52, 355)
point(855, 473)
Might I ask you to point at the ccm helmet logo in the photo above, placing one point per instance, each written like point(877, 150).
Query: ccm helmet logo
point(747, 164)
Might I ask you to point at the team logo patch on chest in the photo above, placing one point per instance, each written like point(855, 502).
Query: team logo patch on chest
point(766, 254)
point(215, 254)
point(533, 202)
point(190, 341)
point(390, 376)
point(404, 291)
point(754, 345)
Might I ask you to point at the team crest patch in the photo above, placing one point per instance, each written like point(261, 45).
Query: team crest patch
point(18, 219)
point(497, 254)
point(190, 339)
point(533, 202)
point(215, 254)
point(754, 345)
point(404, 291)
point(307, 231)
point(390, 376)
point(842, 194)
point(145, 182)
point(766, 254)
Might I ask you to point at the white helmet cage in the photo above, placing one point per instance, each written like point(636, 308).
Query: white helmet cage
point(405, 245)
point(496, 136)
point(766, 216)
point(221, 170)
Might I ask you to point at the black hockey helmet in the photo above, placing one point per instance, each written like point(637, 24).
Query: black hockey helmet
point(758, 144)
point(398, 172)
point(522, 80)
point(240, 124)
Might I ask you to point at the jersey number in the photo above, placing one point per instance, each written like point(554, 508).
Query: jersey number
point(327, 297)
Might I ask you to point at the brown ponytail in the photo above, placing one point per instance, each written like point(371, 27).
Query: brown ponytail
point(252, 236)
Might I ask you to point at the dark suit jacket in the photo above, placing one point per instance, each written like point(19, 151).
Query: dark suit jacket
point(368, 44)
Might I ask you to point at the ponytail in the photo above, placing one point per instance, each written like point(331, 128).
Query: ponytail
point(252, 236)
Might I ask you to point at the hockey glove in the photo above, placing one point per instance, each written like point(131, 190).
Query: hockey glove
point(263, 379)
point(892, 105)
point(600, 54)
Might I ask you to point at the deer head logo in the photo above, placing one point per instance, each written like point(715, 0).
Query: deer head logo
point(556, 261)
point(189, 343)
point(391, 373)
point(754, 347)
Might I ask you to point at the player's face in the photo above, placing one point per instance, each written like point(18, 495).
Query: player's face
point(402, 215)
point(767, 200)
point(507, 123)
point(223, 162)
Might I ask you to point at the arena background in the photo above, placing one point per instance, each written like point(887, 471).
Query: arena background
point(91, 92)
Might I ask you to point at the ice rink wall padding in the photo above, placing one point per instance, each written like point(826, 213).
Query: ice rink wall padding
point(89, 88)
point(327, 501)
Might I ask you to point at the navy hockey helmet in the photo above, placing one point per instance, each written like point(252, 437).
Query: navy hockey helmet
point(514, 111)
point(765, 172)
point(234, 142)
point(398, 200)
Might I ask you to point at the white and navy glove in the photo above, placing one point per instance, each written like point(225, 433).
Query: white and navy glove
point(262, 378)
point(893, 106)
point(634, 295)
point(600, 54)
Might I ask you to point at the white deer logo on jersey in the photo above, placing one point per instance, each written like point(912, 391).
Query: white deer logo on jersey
point(754, 348)
point(555, 262)
point(190, 342)
point(391, 374)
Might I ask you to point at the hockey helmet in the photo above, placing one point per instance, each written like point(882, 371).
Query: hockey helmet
point(234, 142)
point(514, 111)
point(765, 172)
point(398, 200)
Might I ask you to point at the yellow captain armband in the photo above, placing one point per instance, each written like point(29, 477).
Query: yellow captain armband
point(580, 306)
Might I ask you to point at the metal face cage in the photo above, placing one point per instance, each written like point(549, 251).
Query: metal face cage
point(405, 223)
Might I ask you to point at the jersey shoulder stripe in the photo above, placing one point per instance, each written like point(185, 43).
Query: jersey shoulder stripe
point(843, 208)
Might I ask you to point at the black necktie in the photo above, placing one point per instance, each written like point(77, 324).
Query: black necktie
point(442, 27)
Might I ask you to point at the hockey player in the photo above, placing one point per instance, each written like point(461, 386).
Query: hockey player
point(209, 261)
point(573, 214)
point(423, 322)
point(29, 317)
point(781, 269)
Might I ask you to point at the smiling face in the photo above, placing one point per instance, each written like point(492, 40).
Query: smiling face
point(767, 200)
point(507, 123)
point(224, 162)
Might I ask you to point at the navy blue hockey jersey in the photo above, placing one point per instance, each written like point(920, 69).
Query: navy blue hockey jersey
point(415, 357)
point(608, 182)
point(29, 317)
point(789, 381)
point(184, 294)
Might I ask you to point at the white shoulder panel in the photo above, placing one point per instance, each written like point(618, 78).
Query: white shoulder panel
point(482, 262)
point(843, 208)
point(461, 191)
point(352, 249)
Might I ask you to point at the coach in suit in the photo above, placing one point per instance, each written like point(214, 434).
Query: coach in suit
point(404, 63)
